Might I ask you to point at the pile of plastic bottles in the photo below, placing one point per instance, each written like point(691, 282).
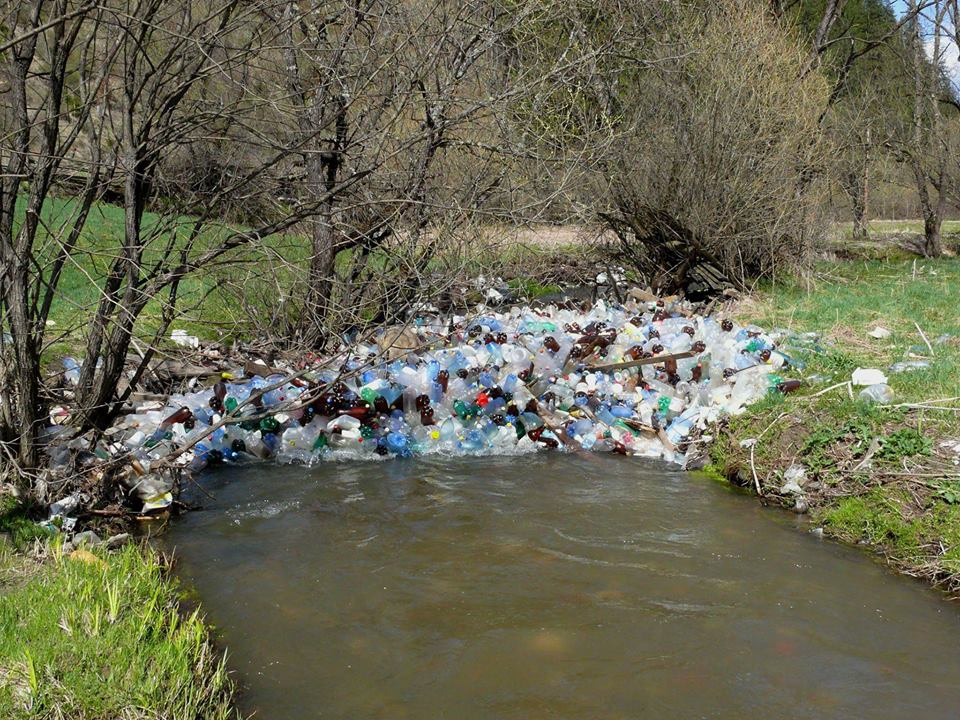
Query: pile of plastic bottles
point(497, 383)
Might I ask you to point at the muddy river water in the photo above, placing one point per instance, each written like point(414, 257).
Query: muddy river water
point(551, 586)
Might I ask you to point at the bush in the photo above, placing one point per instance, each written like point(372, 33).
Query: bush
point(713, 183)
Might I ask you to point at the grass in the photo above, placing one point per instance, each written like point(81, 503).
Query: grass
point(877, 475)
point(223, 301)
point(95, 636)
point(16, 523)
point(208, 299)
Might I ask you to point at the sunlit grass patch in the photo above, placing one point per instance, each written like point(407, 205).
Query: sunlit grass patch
point(94, 636)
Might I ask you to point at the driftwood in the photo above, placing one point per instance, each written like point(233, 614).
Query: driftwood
point(642, 361)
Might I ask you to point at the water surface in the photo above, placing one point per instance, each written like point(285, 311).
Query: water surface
point(551, 586)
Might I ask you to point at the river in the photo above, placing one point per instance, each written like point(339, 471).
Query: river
point(550, 586)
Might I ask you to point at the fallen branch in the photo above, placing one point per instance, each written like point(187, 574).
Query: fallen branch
point(642, 361)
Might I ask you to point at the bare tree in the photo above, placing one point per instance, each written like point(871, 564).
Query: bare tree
point(925, 149)
point(412, 99)
point(98, 96)
point(381, 127)
point(722, 134)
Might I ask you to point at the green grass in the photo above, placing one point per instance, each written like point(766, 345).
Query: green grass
point(16, 522)
point(849, 299)
point(243, 294)
point(906, 502)
point(208, 299)
point(105, 638)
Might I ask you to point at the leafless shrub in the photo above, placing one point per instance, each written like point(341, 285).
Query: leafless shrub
point(713, 181)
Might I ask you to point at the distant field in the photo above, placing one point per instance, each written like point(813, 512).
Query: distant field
point(217, 303)
point(894, 227)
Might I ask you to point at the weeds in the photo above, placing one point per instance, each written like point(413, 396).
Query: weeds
point(876, 474)
point(105, 639)
point(15, 520)
point(904, 443)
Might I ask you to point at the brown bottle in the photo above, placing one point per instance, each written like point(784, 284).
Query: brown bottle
point(789, 386)
point(181, 415)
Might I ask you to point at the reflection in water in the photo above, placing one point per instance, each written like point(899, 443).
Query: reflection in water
point(551, 587)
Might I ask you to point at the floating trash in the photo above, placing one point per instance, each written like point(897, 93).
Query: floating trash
point(638, 379)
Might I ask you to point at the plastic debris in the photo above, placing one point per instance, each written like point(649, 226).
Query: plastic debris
point(880, 393)
point(65, 506)
point(880, 333)
point(909, 366)
point(71, 370)
point(640, 379)
point(181, 338)
point(88, 538)
point(795, 473)
point(157, 502)
point(794, 476)
point(868, 376)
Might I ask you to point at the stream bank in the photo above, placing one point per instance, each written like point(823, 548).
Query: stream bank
point(883, 477)
point(104, 634)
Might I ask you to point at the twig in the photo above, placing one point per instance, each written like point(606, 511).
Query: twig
point(923, 335)
point(922, 406)
point(926, 403)
point(832, 387)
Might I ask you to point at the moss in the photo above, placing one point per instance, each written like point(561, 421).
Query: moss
point(713, 472)
point(877, 518)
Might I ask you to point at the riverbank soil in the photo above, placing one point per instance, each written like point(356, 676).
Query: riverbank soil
point(98, 634)
point(885, 476)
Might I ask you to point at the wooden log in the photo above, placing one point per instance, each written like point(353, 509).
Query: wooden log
point(642, 361)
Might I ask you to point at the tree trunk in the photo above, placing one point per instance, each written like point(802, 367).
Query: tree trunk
point(932, 247)
point(26, 371)
point(323, 173)
point(857, 191)
point(320, 277)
